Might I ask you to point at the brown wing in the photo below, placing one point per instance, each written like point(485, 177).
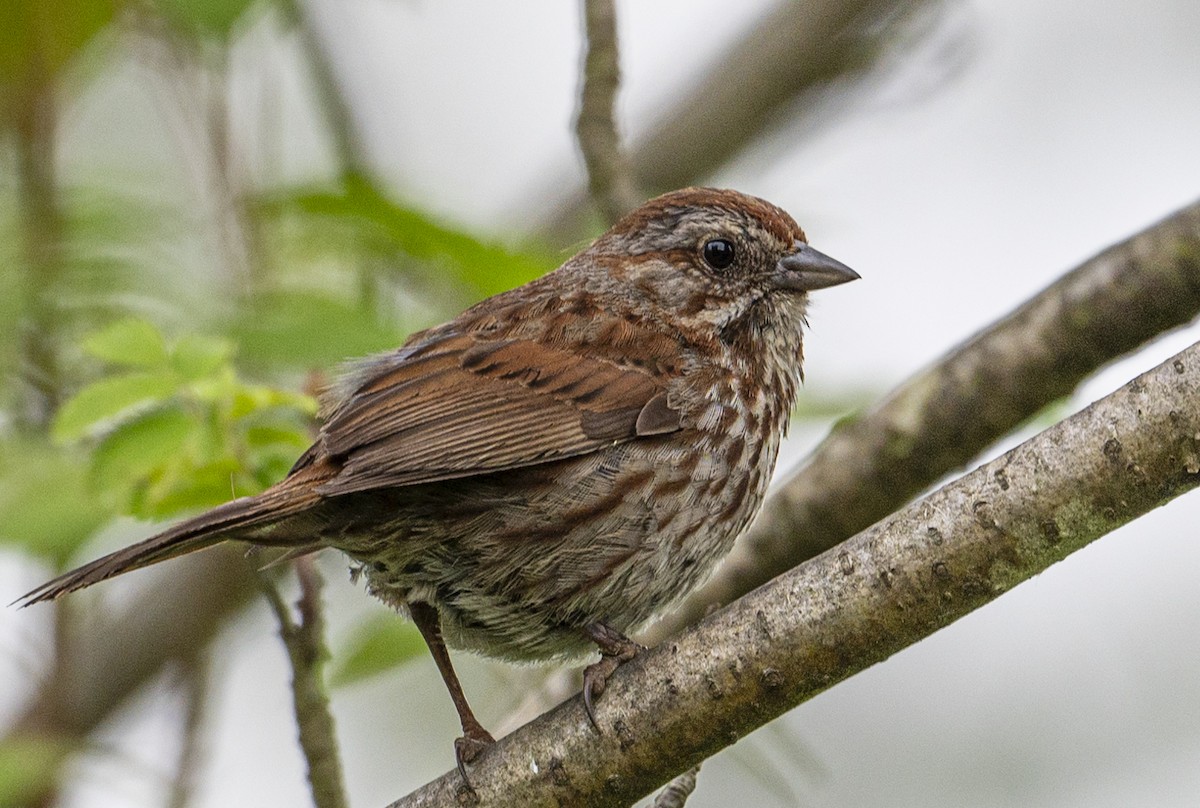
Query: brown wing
point(460, 405)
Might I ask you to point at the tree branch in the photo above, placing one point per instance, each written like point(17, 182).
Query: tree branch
point(305, 643)
point(938, 420)
point(343, 126)
point(100, 661)
point(36, 118)
point(609, 175)
point(193, 683)
point(883, 590)
point(109, 657)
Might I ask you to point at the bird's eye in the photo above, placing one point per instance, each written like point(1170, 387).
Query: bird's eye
point(718, 253)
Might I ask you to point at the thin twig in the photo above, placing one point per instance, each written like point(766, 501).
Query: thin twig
point(306, 649)
point(344, 127)
point(879, 592)
point(795, 48)
point(609, 176)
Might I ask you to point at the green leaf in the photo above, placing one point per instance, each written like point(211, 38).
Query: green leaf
point(252, 399)
point(206, 17)
point(274, 449)
point(269, 436)
point(108, 398)
point(387, 227)
point(271, 468)
point(135, 450)
point(130, 342)
point(195, 488)
point(45, 505)
point(488, 268)
point(378, 645)
point(53, 34)
point(220, 386)
point(273, 440)
point(305, 329)
point(196, 356)
point(28, 768)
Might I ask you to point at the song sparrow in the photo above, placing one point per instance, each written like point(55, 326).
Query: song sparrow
point(560, 462)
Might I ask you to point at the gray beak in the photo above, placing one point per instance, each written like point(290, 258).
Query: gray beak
point(807, 269)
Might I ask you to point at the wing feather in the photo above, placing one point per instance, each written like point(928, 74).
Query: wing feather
point(461, 405)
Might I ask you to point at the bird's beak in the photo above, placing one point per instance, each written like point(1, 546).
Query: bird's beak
point(807, 269)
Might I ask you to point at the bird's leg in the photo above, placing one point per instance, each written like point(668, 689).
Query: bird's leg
point(475, 738)
point(615, 648)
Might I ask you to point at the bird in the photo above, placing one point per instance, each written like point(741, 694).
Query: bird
point(560, 463)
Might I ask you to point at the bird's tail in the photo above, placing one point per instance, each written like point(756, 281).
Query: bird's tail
point(248, 518)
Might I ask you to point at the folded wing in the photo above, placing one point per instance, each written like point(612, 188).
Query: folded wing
point(460, 405)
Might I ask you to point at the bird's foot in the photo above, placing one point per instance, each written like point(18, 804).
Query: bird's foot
point(615, 650)
point(468, 748)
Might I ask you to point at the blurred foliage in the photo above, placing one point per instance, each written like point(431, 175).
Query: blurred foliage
point(46, 506)
point(11, 292)
point(170, 428)
point(119, 253)
point(43, 37)
point(376, 646)
point(186, 294)
point(173, 428)
point(25, 763)
point(205, 18)
point(302, 328)
point(823, 406)
point(361, 271)
point(356, 208)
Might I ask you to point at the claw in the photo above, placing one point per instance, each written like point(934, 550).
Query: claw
point(615, 649)
point(468, 748)
point(595, 680)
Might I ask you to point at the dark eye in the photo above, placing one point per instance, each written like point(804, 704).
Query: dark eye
point(718, 253)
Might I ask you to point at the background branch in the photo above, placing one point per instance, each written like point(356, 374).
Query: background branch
point(340, 122)
point(883, 590)
point(793, 49)
point(117, 227)
point(108, 657)
point(36, 119)
point(305, 643)
point(193, 682)
point(609, 177)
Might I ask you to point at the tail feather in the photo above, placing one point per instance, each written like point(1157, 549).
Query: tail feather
point(229, 521)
